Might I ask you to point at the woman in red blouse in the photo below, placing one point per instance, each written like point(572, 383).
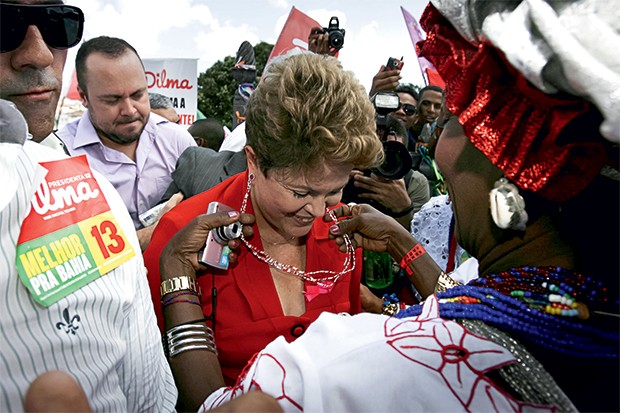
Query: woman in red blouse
point(309, 123)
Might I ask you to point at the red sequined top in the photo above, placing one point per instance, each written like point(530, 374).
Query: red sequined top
point(543, 143)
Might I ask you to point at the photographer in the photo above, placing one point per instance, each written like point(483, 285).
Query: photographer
point(400, 198)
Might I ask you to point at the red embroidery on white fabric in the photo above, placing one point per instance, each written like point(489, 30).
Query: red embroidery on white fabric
point(458, 356)
point(233, 391)
point(278, 374)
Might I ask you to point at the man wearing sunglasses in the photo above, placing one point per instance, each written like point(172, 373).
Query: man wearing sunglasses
point(33, 48)
point(406, 112)
point(102, 331)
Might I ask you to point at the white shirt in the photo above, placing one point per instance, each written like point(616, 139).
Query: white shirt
point(115, 353)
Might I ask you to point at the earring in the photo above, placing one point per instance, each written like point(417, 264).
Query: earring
point(507, 206)
point(251, 178)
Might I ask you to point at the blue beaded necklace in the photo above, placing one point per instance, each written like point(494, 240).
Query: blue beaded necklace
point(545, 305)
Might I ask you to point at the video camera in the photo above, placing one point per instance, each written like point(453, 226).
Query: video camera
point(336, 34)
point(398, 161)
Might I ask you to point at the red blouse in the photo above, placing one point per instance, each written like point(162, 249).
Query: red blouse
point(248, 311)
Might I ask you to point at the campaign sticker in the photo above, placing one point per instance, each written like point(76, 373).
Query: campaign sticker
point(71, 236)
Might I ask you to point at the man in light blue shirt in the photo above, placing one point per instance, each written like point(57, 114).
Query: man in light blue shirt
point(132, 147)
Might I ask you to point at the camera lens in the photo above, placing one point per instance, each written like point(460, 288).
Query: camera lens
point(336, 39)
point(397, 161)
point(229, 232)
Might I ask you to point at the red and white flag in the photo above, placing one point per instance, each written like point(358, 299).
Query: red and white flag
point(429, 73)
point(294, 33)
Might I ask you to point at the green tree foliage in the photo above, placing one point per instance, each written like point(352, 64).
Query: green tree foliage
point(216, 86)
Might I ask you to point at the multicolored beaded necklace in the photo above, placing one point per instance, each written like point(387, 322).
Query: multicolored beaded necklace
point(545, 305)
point(327, 282)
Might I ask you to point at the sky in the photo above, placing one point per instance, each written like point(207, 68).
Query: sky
point(210, 30)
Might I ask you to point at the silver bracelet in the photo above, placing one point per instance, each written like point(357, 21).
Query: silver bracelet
point(185, 330)
point(185, 337)
point(188, 334)
point(193, 344)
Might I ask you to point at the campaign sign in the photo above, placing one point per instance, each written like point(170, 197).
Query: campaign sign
point(70, 236)
point(178, 80)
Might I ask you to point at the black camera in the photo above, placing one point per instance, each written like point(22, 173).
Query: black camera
point(336, 34)
point(397, 161)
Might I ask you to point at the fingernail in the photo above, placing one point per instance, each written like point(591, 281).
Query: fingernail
point(335, 229)
point(233, 214)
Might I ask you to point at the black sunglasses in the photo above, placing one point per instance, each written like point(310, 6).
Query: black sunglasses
point(61, 26)
point(408, 108)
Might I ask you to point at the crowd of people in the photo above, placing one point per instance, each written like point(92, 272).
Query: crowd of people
point(148, 267)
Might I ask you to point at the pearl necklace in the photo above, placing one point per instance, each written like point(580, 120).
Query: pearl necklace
point(326, 282)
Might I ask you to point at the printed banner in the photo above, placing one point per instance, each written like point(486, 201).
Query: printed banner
point(429, 73)
point(294, 33)
point(71, 236)
point(177, 79)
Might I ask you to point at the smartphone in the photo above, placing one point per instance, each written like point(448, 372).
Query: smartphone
point(394, 64)
point(216, 249)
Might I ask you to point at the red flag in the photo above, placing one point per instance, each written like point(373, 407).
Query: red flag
point(73, 92)
point(429, 73)
point(294, 33)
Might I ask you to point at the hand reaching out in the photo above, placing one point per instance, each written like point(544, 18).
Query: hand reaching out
point(384, 81)
point(181, 254)
point(367, 227)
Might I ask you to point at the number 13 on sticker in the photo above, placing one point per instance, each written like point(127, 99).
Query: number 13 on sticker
point(107, 242)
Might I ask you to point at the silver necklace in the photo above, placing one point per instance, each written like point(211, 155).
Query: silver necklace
point(326, 282)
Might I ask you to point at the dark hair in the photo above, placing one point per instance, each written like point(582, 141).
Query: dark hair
point(407, 89)
point(397, 126)
point(110, 46)
point(433, 88)
point(209, 130)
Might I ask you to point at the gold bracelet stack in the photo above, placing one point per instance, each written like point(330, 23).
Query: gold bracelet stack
point(445, 282)
point(186, 337)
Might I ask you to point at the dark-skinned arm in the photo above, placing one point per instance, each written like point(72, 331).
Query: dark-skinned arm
point(371, 230)
point(197, 373)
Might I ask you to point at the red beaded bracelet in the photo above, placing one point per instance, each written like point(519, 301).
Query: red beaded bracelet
point(414, 253)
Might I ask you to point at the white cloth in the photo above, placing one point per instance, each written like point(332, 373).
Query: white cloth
point(374, 363)
point(53, 142)
point(236, 140)
point(113, 350)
